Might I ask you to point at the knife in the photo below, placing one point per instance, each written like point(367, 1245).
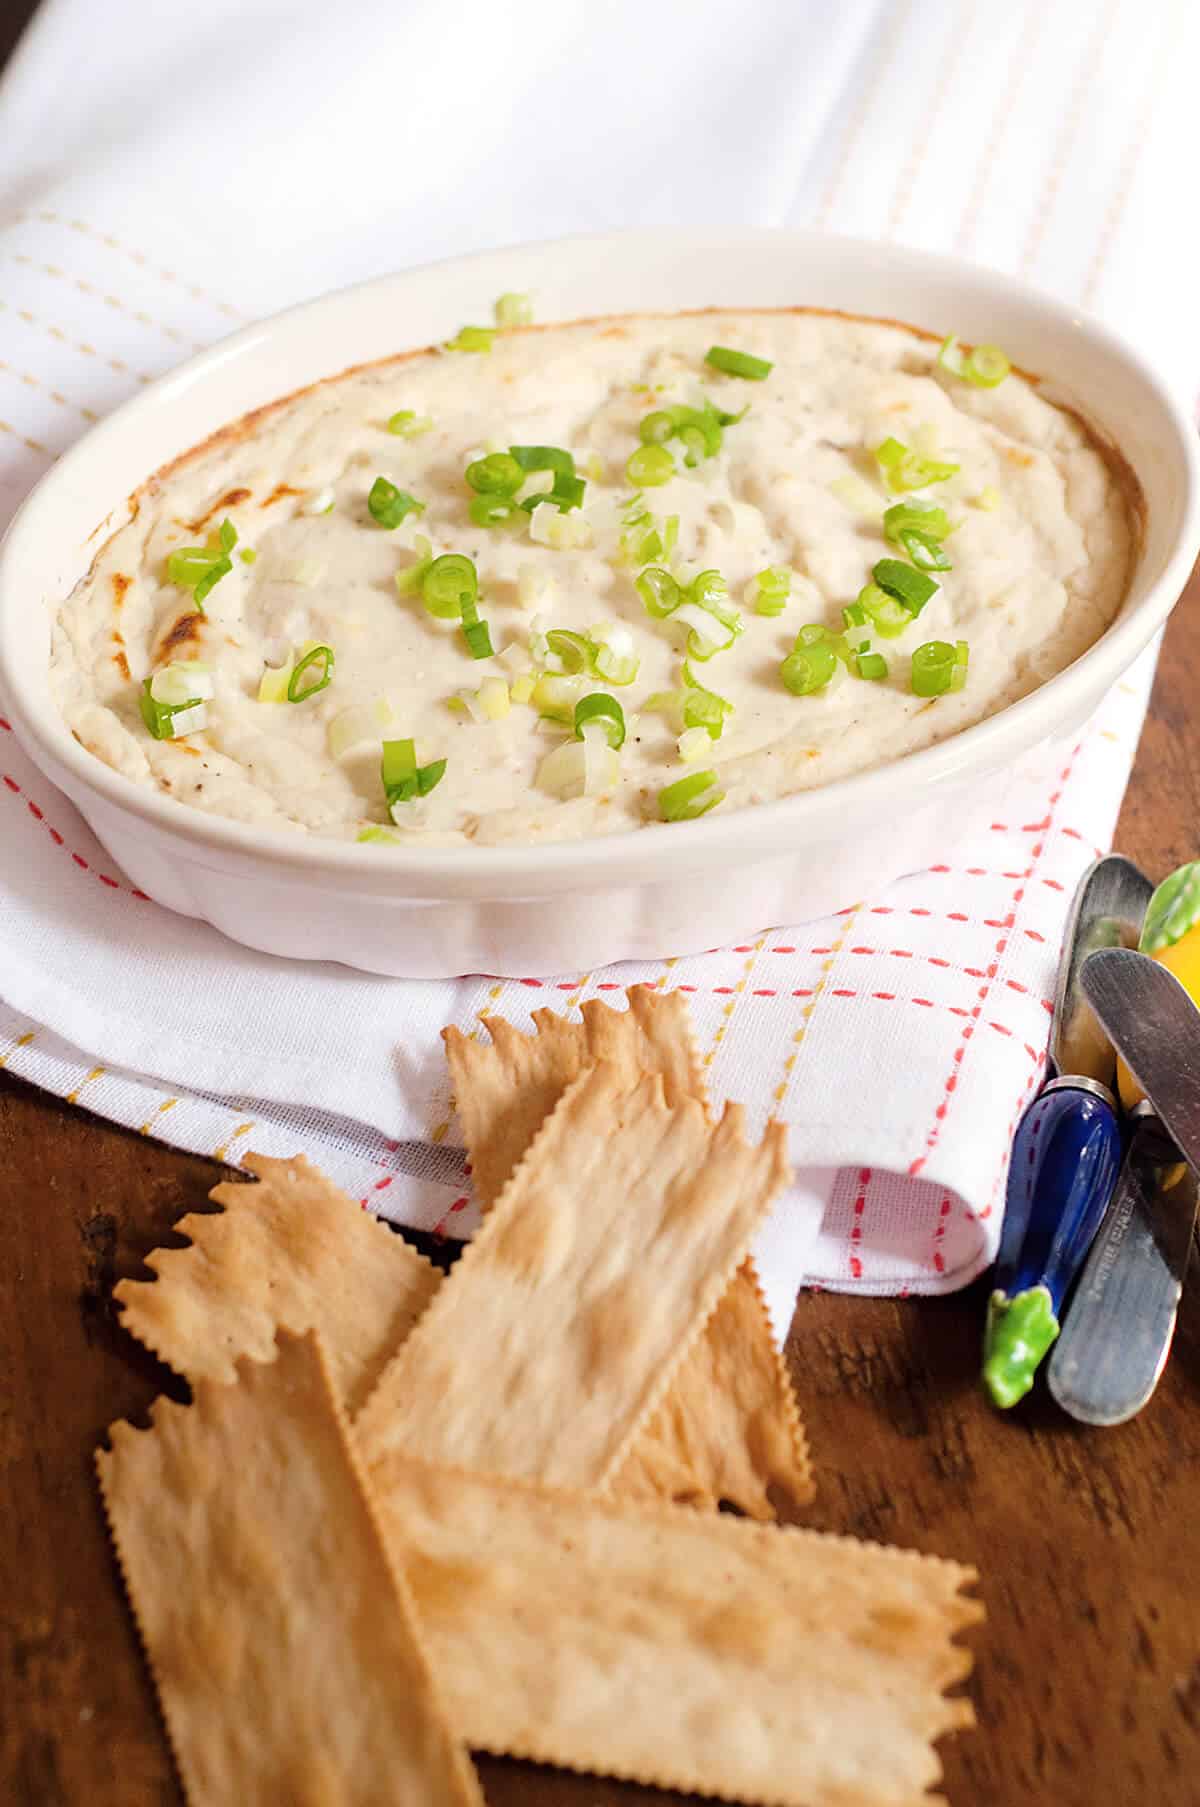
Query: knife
point(1067, 1150)
point(1122, 1319)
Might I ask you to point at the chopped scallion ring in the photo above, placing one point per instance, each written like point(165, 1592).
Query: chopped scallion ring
point(402, 778)
point(495, 511)
point(475, 631)
point(871, 665)
point(544, 458)
point(703, 708)
point(390, 506)
point(911, 588)
point(566, 493)
point(812, 664)
point(938, 667)
point(904, 469)
point(198, 568)
point(499, 474)
point(410, 580)
point(317, 661)
point(447, 583)
point(926, 554)
point(555, 698)
point(887, 614)
point(407, 425)
point(771, 589)
point(651, 465)
point(606, 712)
point(857, 628)
point(513, 309)
point(657, 427)
point(171, 721)
point(180, 684)
point(917, 515)
point(689, 797)
point(986, 366)
point(573, 651)
point(472, 338)
point(738, 363)
point(247, 555)
point(613, 654)
point(659, 592)
point(383, 835)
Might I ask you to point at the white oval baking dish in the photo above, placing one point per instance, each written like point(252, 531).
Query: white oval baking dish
point(660, 890)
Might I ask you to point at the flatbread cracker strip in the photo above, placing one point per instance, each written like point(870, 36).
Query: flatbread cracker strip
point(556, 1333)
point(279, 1630)
point(293, 1250)
point(728, 1429)
point(741, 1444)
point(681, 1649)
point(505, 1090)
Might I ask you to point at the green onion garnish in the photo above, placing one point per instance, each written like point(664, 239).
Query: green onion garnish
point(198, 568)
point(475, 631)
point(812, 663)
point(567, 493)
point(912, 588)
point(573, 651)
point(938, 667)
point(772, 589)
point(659, 592)
point(383, 835)
point(472, 338)
point(917, 515)
point(513, 309)
point(543, 458)
point(650, 465)
point(555, 698)
point(499, 474)
point(391, 506)
point(172, 720)
point(738, 363)
point(613, 656)
point(317, 661)
point(689, 797)
point(703, 708)
point(857, 628)
point(887, 614)
point(403, 779)
point(871, 665)
point(495, 511)
point(656, 428)
point(247, 555)
point(406, 425)
point(904, 469)
point(984, 367)
point(925, 553)
point(447, 584)
point(606, 712)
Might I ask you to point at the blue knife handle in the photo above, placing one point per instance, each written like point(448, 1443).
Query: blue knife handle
point(1065, 1161)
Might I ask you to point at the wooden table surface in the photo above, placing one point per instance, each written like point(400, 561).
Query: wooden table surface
point(1087, 1681)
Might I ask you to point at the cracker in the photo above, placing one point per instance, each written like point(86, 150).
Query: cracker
point(728, 1428)
point(554, 1336)
point(677, 1648)
point(293, 1251)
point(281, 1635)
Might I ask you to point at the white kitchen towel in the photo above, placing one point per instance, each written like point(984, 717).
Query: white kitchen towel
point(186, 169)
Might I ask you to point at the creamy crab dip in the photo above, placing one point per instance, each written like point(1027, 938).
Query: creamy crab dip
point(544, 583)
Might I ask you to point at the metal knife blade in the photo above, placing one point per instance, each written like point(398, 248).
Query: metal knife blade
point(1118, 1330)
point(1155, 1027)
point(1108, 911)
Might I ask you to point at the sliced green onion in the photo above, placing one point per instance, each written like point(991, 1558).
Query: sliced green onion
point(926, 554)
point(708, 590)
point(689, 797)
point(273, 685)
point(448, 583)
point(657, 427)
point(871, 665)
point(650, 465)
point(658, 591)
point(668, 704)
point(407, 425)
point(887, 614)
point(198, 568)
point(475, 631)
point(580, 768)
point(498, 474)
point(704, 708)
point(772, 588)
point(606, 712)
point(707, 632)
point(613, 654)
point(692, 745)
point(938, 667)
point(523, 687)
point(410, 579)
point(513, 309)
point(738, 363)
point(317, 661)
point(383, 835)
point(247, 555)
point(544, 458)
point(472, 338)
point(904, 469)
point(917, 515)
point(811, 665)
point(565, 493)
point(390, 506)
point(950, 355)
point(220, 568)
point(188, 565)
point(171, 721)
point(402, 778)
point(986, 366)
point(573, 651)
point(912, 588)
point(227, 535)
point(549, 527)
point(495, 511)
point(180, 684)
point(857, 634)
point(494, 699)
